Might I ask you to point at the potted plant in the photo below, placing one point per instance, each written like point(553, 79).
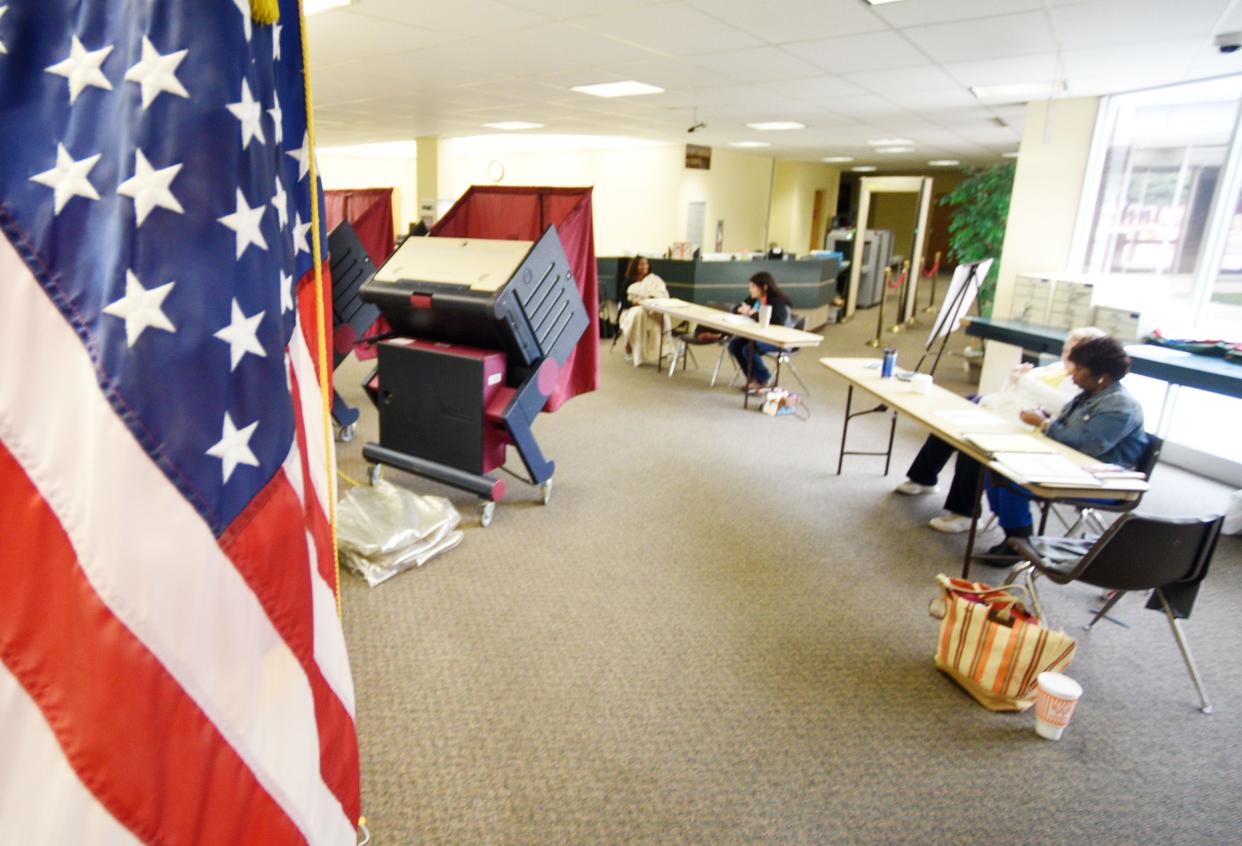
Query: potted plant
point(977, 229)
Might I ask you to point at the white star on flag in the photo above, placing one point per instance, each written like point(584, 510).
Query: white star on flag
point(302, 154)
point(82, 68)
point(243, 6)
point(245, 222)
point(299, 234)
point(150, 187)
point(249, 111)
point(157, 74)
point(286, 292)
point(140, 308)
point(4, 9)
point(233, 448)
point(276, 42)
point(242, 335)
point(276, 114)
point(68, 179)
point(280, 201)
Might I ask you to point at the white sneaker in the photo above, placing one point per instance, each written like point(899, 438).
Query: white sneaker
point(912, 488)
point(950, 523)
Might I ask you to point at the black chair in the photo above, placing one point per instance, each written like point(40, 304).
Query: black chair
point(784, 357)
point(1166, 555)
point(1089, 510)
point(686, 336)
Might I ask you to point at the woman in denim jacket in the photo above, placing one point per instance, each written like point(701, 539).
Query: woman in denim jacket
point(1103, 421)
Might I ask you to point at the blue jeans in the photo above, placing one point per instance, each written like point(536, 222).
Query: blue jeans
point(755, 369)
point(1012, 507)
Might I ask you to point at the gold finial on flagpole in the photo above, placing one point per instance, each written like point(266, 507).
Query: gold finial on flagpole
point(265, 11)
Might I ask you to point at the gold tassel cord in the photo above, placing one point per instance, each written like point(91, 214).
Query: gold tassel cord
point(325, 363)
point(265, 11)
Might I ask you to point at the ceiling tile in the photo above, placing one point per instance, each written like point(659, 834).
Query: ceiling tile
point(671, 28)
point(794, 20)
point(757, 64)
point(335, 38)
point(944, 11)
point(1020, 69)
point(819, 88)
point(1106, 22)
point(1008, 35)
point(1176, 56)
point(922, 78)
point(460, 17)
point(673, 74)
point(872, 51)
point(560, 10)
point(932, 99)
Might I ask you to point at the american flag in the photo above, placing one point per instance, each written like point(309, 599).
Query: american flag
point(172, 667)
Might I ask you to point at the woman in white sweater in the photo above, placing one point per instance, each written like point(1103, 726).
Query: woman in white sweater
point(640, 328)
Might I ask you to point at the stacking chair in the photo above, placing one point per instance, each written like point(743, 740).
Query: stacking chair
point(687, 336)
point(785, 357)
point(1166, 555)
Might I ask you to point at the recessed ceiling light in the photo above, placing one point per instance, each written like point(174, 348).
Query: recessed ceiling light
point(835, 159)
point(749, 144)
point(1018, 91)
point(894, 149)
point(944, 163)
point(314, 7)
point(774, 125)
point(511, 125)
point(863, 168)
point(890, 142)
point(1012, 155)
point(629, 88)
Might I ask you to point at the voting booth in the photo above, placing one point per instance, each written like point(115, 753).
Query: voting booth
point(481, 331)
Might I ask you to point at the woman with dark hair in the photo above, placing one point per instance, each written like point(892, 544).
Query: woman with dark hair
point(640, 328)
point(763, 291)
point(1103, 421)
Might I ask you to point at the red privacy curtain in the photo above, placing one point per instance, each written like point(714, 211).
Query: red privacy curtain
point(369, 211)
point(518, 213)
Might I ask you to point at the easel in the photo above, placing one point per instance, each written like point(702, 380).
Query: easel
point(953, 308)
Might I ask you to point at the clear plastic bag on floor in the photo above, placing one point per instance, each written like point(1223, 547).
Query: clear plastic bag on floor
point(1233, 515)
point(383, 530)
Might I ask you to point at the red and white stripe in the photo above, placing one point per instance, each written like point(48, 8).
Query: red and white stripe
point(198, 691)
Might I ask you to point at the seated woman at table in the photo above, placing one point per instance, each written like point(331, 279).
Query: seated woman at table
point(762, 290)
point(1049, 387)
point(641, 329)
point(1103, 421)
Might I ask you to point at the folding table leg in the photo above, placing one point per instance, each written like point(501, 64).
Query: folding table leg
point(974, 521)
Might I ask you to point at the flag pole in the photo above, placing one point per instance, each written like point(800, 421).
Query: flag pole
point(321, 338)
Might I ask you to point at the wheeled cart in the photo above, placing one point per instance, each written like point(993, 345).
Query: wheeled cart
point(485, 327)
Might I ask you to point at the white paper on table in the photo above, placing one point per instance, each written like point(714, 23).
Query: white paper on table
point(1047, 469)
point(736, 318)
point(972, 417)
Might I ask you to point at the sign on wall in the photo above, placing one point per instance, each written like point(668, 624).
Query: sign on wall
point(698, 157)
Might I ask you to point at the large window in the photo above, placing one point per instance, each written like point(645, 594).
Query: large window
point(1161, 233)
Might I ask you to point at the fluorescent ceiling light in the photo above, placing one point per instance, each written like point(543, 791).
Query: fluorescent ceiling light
point(890, 142)
point(1012, 155)
point(835, 159)
point(882, 2)
point(894, 149)
point(749, 144)
point(629, 88)
point(944, 163)
point(511, 125)
point(1018, 91)
point(863, 168)
point(776, 125)
point(314, 7)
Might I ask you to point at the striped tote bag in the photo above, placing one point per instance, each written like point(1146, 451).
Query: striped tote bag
point(992, 646)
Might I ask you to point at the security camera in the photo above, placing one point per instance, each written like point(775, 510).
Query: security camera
point(702, 125)
point(1229, 42)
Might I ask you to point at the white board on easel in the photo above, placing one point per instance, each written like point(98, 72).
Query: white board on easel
point(967, 278)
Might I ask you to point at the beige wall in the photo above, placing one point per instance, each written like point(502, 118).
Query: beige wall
point(641, 192)
point(898, 213)
point(371, 171)
point(793, 203)
point(1047, 187)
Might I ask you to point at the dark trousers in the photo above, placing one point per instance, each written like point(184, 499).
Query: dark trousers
point(754, 368)
point(1011, 505)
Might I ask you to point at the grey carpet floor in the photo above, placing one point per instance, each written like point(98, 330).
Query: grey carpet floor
point(708, 637)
